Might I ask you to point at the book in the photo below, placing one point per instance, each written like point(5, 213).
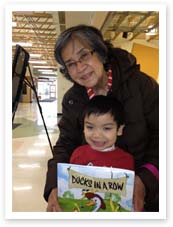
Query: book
point(84, 188)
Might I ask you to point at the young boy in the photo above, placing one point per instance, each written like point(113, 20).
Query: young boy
point(103, 123)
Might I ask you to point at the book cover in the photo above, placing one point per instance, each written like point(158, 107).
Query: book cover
point(94, 189)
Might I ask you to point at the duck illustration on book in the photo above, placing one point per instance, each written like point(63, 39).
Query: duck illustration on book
point(95, 200)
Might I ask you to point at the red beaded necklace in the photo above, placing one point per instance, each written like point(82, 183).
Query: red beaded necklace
point(90, 91)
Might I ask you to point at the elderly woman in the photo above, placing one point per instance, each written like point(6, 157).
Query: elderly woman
point(96, 68)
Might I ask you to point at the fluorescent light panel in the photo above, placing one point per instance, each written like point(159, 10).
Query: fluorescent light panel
point(35, 55)
point(22, 44)
point(37, 62)
point(44, 67)
point(45, 70)
point(49, 73)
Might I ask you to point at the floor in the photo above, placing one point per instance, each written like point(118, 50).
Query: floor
point(31, 152)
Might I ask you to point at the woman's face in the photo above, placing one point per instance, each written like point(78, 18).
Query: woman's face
point(83, 64)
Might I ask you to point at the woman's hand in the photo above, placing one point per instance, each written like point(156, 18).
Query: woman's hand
point(53, 205)
point(139, 194)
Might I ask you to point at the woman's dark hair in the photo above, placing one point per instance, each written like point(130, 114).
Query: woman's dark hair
point(87, 34)
point(100, 105)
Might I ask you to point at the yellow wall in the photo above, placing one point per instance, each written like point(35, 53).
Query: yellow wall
point(148, 58)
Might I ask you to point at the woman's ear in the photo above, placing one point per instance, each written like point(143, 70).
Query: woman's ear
point(120, 130)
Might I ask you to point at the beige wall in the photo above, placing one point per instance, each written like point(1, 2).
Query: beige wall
point(63, 85)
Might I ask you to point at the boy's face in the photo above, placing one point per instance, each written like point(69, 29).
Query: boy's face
point(101, 131)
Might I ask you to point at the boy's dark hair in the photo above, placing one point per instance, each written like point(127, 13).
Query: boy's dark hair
point(100, 105)
point(89, 35)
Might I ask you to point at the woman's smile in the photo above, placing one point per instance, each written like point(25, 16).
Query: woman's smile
point(86, 76)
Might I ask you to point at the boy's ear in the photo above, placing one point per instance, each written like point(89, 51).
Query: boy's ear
point(120, 130)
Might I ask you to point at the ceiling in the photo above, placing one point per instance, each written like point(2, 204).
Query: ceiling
point(42, 28)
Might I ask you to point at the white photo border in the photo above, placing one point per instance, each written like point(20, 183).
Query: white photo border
point(89, 6)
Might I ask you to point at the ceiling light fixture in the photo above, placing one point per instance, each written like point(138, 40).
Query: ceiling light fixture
point(22, 44)
point(45, 70)
point(37, 62)
point(51, 73)
point(152, 31)
point(44, 67)
point(35, 55)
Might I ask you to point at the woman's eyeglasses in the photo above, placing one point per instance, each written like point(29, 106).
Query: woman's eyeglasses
point(84, 59)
